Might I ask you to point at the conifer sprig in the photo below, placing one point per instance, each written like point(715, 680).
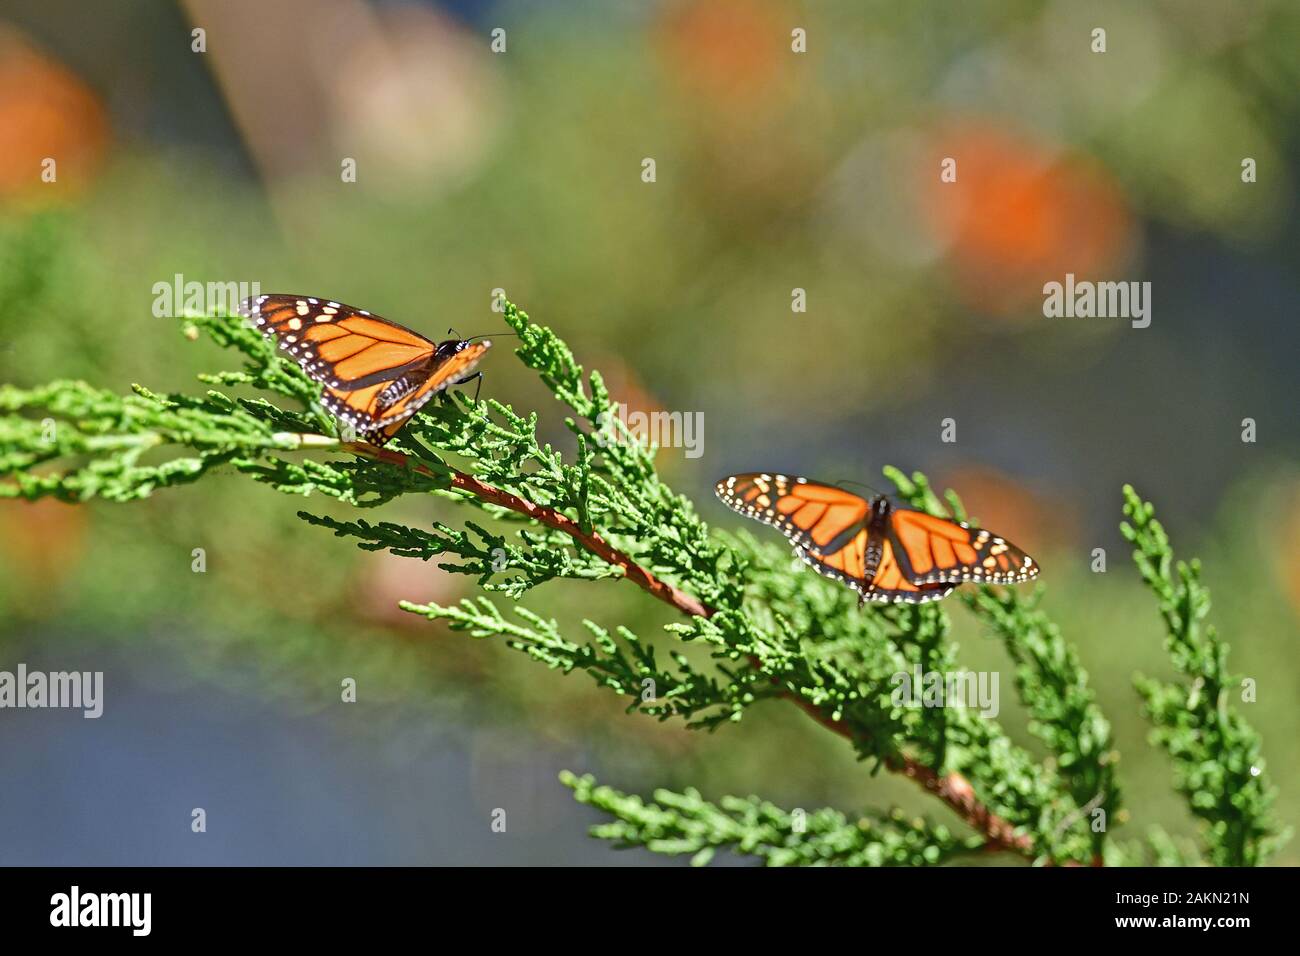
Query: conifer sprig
point(681, 823)
point(1218, 766)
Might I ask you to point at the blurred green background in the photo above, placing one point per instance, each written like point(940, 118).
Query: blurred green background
point(522, 170)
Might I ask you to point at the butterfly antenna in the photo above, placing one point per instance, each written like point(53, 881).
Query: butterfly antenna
point(494, 335)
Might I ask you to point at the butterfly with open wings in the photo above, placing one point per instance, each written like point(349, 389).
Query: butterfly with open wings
point(376, 373)
point(883, 552)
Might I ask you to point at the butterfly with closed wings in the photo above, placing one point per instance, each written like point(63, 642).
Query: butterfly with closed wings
point(376, 373)
point(883, 552)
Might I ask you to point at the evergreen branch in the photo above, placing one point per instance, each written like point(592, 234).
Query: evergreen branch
point(114, 433)
point(769, 631)
point(682, 823)
point(1218, 766)
point(1050, 682)
point(622, 663)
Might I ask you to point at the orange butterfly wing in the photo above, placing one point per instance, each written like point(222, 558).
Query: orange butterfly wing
point(888, 584)
point(376, 373)
point(812, 515)
point(936, 550)
point(338, 345)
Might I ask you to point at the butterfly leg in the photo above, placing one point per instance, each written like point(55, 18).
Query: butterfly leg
point(470, 378)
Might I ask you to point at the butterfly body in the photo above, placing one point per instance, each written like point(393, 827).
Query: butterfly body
point(376, 374)
point(884, 552)
point(877, 528)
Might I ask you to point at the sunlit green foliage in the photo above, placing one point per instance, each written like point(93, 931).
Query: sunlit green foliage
point(680, 823)
point(1216, 753)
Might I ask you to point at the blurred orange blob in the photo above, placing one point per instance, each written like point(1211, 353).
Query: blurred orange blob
point(1020, 214)
point(636, 403)
point(46, 113)
point(740, 89)
point(41, 543)
point(1008, 508)
point(730, 52)
point(624, 384)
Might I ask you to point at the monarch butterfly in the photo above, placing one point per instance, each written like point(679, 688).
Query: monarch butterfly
point(884, 552)
point(376, 373)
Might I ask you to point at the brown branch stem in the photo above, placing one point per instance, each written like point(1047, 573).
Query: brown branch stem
point(952, 788)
